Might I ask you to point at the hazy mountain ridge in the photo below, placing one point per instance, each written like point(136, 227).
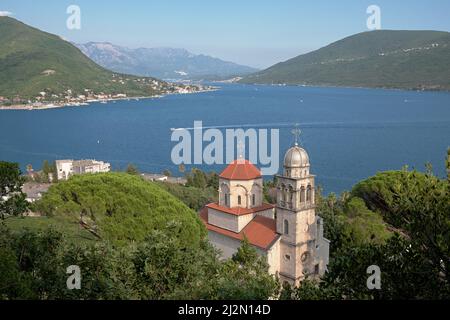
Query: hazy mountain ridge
point(36, 64)
point(165, 63)
point(389, 59)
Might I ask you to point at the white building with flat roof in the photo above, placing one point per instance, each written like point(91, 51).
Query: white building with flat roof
point(67, 168)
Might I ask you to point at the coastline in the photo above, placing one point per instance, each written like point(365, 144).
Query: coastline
point(342, 86)
point(86, 103)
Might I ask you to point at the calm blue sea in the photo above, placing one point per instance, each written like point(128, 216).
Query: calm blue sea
point(350, 134)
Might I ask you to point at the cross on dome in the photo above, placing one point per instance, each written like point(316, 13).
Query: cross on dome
point(296, 132)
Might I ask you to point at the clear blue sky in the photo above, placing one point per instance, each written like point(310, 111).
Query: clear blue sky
point(252, 32)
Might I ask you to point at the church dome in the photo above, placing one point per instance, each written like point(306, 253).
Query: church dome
point(296, 157)
point(241, 170)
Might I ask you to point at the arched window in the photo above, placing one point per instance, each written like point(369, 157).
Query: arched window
point(254, 199)
point(308, 193)
point(302, 194)
point(225, 191)
point(239, 200)
point(281, 193)
point(286, 227)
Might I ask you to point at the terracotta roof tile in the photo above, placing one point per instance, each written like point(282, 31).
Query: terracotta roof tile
point(241, 170)
point(240, 211)
point(260, 232)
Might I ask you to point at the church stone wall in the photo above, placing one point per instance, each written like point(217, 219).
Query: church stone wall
point(323, 248)
point(244, 220)
point(287, 258)
point(223, 220)
point(243, 188)
point(232, 222)
point(228, 246)
point(273, 258)
point(323, 253)
point(269, 213)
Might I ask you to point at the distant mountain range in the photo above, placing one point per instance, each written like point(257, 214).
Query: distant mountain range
point(35, 63)
point(164, 63)
point(384, 58)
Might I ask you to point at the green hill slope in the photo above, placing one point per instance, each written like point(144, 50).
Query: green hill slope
point(32, 61)
point(385, 58)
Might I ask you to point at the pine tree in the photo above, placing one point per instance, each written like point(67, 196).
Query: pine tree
point(12, 199)
point(132, 169)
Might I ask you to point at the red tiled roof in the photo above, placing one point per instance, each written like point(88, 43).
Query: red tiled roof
point(260, 232)
point(240, 211)
point(241, 170)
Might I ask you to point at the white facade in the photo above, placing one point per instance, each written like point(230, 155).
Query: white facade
point(66, 168)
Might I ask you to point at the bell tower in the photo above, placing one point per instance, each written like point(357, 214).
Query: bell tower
point(303, 250)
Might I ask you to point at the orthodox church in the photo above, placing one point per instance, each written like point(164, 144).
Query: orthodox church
point(289, 234)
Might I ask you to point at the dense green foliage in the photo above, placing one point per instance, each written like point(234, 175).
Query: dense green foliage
point(414, 263)
point(246, 277)
point(383, 58)
point(120, 207)
point(12, 199)
point(27, 53)
point(363, 225)
point(195, 198)
point(199, 179)
point(134, 246)
point(132, 169)
point(33, 265)
point(349, 222)
point(387, 193)
point(200, 189)
point(72, 232)
point(447, 164)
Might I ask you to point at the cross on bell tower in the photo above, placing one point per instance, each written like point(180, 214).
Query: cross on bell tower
point(296, 132)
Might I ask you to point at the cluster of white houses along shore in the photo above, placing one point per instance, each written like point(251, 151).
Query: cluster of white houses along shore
point(50, 99)
point(69, 167)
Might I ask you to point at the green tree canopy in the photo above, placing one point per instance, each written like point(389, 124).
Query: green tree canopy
point(120, 207)
point(246, 276)
point(34, 264)
point(132, 169)
point(194, 198)
point(414, 263)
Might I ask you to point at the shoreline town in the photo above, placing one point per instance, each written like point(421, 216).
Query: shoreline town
point(83, 100)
